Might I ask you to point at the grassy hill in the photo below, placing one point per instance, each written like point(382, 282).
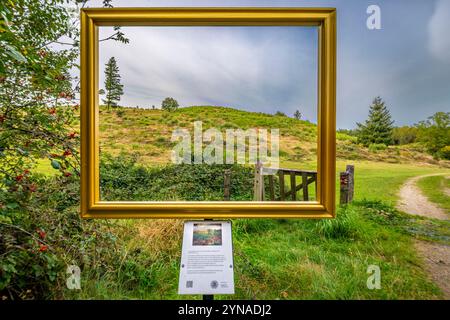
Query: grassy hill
point(148, 133)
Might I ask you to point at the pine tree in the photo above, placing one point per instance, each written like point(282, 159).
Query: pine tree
point(378, 127)
point(297, 115)
point(113, 87)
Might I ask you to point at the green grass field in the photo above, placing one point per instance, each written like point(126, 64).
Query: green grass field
point(277, 259)
point(294, 259)
point(434, 188)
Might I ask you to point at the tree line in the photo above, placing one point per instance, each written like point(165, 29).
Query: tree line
point(378, 131)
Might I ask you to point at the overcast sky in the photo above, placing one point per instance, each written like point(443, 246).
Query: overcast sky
point(251, 68)
point(407, 62)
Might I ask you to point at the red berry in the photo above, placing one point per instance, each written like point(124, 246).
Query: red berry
point(19, 177)
point(42, 234)
point(67, 174)
point(42, 247)
point(42, 53)
point(67, 153)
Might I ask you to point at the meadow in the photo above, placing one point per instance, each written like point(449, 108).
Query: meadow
point(274, 259)
point(436, 188)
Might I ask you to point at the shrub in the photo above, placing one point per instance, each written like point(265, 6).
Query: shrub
point(122, 178)
point(120, 112)
point(445, 153)
point(41, 233)
point(434, 133)
point(280, 114)
point(374, 147)
point(404, 135)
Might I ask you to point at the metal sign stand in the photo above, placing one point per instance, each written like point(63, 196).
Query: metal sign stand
point(207, 266)
point(207, 297)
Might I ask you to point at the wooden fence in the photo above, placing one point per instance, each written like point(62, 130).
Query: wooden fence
point(307, 177)
point(347, 184)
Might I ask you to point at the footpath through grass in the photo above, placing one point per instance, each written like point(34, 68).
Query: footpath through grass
point(276, 259)
point(291, 259)
point(437, 190)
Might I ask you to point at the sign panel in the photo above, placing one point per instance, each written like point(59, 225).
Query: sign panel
point(207, 258)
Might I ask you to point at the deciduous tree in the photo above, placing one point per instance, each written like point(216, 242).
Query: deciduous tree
point(169, 104)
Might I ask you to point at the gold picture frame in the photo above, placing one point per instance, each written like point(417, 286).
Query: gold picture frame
point(323, 18)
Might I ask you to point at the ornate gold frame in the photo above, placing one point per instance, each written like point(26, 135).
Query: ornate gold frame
point(323, 18)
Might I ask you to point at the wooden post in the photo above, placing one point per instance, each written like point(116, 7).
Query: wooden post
point(271, 188)
point(281, 177)
point(343, 179)
point(226, 185)
point(305, 186)
point(258, 186)
point(293, 187)
point(315, 186)
point(351, 181)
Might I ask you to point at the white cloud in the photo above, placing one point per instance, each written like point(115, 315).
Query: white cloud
point(254, 69)
point(439, 28)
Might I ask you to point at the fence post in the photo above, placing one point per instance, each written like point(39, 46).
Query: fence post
point(351, 181)
point(226, 185)
point(343, 179)
point(293, 186)
point(281, 178)
point(258, 186)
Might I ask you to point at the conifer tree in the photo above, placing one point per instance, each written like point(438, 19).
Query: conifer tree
point(113, 87)
point(377, 129)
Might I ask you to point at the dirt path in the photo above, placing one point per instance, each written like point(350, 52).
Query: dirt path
point(436, 256)
point(412, 201)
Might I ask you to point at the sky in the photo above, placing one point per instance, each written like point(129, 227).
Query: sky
point(407, 62)
point(264, 69)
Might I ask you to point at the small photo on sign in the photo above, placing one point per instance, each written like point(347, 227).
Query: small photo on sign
point(207, 234)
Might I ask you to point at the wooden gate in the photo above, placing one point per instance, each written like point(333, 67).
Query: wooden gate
point(284, 194)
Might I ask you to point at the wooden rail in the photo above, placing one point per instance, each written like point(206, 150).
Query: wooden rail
point(347, 184)
point(307, 177)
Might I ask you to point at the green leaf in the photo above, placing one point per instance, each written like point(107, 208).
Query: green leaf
point(56, 165)
point(13, 53)
point(12, 205)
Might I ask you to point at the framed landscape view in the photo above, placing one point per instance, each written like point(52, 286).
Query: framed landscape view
point(208, 113)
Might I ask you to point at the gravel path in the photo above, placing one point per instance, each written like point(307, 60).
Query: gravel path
point(412, 201)
point(436, 256)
